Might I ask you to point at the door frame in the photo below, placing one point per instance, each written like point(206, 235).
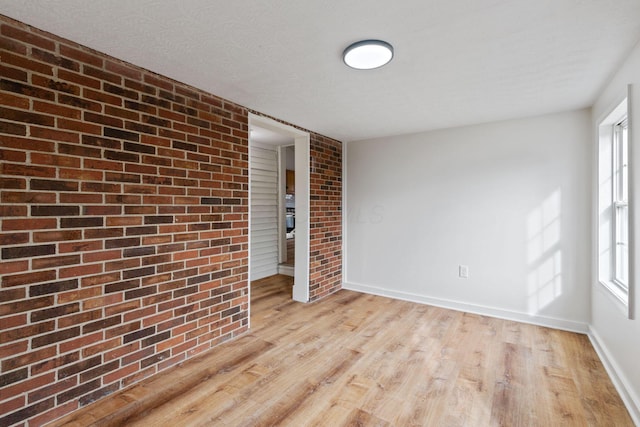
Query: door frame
point(302, 142)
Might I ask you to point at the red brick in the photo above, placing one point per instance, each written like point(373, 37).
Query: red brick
point(13, 349)
point(13, 45)
point(153, 320)
point(53, 134)
point(103, 210)
point(33, 144)
point(102, 75)
point(28, 278)
point(14, 74)
point(20, 62)
point(124, 220)
point(54, 337)
point(13, 267)
point(78, 126)
point(82, 175)
point(102, 301)
point(27, 359)
point(121, 351)
point(53, 185)
point(12, 100)
point(102, 97)
point(101, 256)
point(122, 113)
point(80, 342)
point(170, 344)
point(82, 198)
point(139, 86)
point(53, 414)
point(82, 270)
point(83, 246)
point(121, 373)
point(78, 391)
point(125, 307)
point(13, 183)
point(78, 295)
point(75, 101)
point(58, 261)
point(102, 119)
point(12, 404)
point(25, 89)
point(82, 317)
point(28, 170)
point(56, 110)
point(54, 59)
point(15, 321)
point(81, 55)
point(52, 159)
point(79, 79)
point(155, 80)
point(101, 279)
point(28, 37)
point(101, 347)
point(28, 385)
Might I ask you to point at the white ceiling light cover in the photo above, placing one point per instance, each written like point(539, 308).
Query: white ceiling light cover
point(368, 54)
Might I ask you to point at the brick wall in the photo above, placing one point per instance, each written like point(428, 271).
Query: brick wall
point(124, 223)
point(325, 227)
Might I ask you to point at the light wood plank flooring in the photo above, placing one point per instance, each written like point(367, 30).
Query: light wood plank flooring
point(355, 359)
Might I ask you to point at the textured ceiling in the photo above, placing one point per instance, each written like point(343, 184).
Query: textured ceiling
point(456, 62)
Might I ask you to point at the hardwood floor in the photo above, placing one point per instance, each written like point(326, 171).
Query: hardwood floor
point(355, 359)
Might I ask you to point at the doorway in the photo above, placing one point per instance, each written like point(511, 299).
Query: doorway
point(287, 232)
point(268, 219)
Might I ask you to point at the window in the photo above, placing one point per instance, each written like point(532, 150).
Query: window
point(613, 203)
point(621, 203)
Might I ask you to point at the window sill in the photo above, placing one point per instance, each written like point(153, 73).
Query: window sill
point(619, 297)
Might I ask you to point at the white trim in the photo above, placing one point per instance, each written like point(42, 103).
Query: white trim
point(301, 283)
point(633, 141)
point(550, 322)
point(345, 210)
point(619, 380)
point(287, 270)
point(249, 228)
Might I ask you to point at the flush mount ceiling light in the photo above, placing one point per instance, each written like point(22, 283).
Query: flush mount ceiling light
point(368, 54)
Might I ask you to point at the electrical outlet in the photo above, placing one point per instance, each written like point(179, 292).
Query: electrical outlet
point(463, 271)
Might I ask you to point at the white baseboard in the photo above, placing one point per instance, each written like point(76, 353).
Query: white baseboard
point(286, 270)
point(550, 322)
point(619, 380)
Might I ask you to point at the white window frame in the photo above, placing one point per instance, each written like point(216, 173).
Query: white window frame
point(614, 207)
point(620, 204)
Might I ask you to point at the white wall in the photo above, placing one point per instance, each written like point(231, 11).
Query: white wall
point(511, 200)
point(290, 154)
point(617, 337)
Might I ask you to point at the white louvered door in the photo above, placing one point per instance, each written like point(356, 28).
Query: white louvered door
point(264, 211)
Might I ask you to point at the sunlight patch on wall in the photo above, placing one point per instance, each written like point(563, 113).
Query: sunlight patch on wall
point(544, 257)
